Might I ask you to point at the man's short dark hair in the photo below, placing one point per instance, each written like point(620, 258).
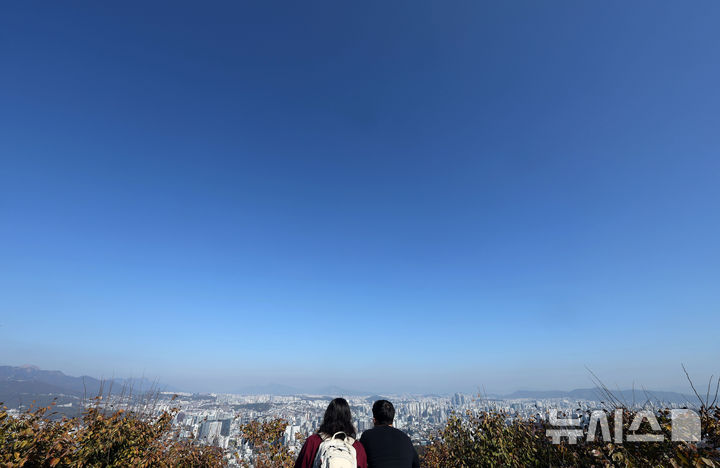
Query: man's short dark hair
point(383, 412)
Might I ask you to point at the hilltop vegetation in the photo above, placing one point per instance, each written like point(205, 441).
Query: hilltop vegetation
point(474, 439)
point(21, 386)
point(98, 439)
point(486, 439)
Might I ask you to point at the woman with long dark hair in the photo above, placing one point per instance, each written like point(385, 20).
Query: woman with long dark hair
point(334, 438)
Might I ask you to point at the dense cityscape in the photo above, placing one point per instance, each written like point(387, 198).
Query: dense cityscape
point(225, 421)
point(219, 419)
point(215, 419)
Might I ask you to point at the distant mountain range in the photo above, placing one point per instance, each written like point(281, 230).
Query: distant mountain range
point(626, 396)
point(23, 385)
point(268, 389)
point(282, 390)
point(594, 394)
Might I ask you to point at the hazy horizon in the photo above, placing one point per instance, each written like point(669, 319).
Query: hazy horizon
point(376, 196)
point(305, 385)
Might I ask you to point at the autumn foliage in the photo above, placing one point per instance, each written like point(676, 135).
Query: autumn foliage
point(266, 440)
point(474, 439)
point(98, 439)
point(490, 439)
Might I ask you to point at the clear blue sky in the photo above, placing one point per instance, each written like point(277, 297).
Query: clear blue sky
point(422, 196)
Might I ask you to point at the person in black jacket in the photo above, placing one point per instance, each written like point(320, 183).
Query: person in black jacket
point(385, 446)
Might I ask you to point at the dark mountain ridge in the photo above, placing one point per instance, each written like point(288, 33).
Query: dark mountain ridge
point(23, 385)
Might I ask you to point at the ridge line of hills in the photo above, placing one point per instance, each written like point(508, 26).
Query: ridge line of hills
point(21, 385)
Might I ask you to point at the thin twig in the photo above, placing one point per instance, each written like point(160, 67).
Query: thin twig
point(613, 400)
point(717, 387)
point(692, 386)
point(707, 395)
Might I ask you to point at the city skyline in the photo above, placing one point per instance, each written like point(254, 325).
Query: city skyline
point(395, 196)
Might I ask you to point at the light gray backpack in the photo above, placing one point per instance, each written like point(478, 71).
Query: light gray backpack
point(335, 452)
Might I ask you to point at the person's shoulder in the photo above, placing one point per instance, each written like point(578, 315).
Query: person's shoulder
point(358, 446)
point(380, 432)
point(366, 435)
point(370, 432)
point(314, 439)
point(400, 433)
point(360, 454)
point(404, 433)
